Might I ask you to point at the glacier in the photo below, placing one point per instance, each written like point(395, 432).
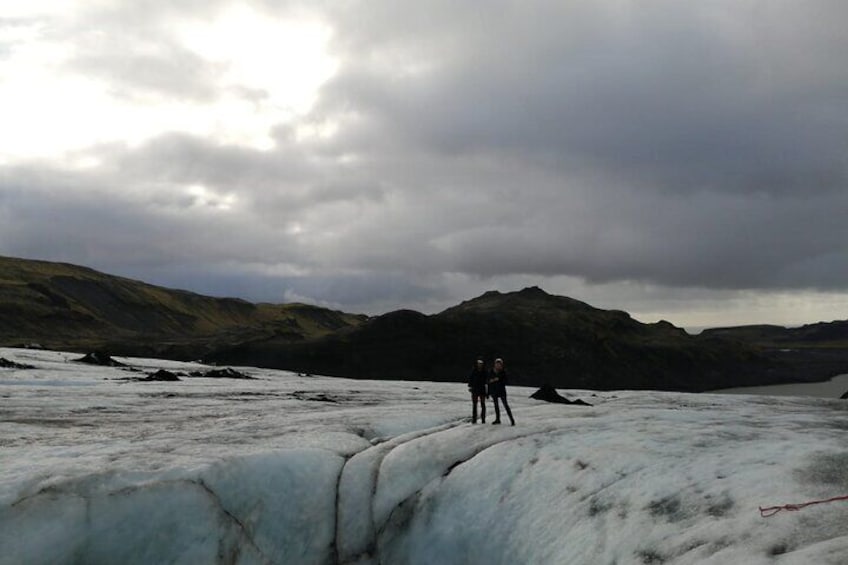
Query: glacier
point(287, 468)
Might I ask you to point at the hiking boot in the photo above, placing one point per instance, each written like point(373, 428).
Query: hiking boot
point(496, 422)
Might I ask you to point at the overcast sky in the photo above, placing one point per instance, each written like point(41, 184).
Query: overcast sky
point(685, 161)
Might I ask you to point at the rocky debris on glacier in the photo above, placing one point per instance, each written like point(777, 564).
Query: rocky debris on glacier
point(163, 375)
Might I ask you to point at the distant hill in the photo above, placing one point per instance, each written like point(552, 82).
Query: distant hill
point(62, 306)
point(543, 339)
point(817, 350)
point(819, 335)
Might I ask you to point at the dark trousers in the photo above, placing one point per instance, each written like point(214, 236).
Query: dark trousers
point(474, 399)
point(498, 410)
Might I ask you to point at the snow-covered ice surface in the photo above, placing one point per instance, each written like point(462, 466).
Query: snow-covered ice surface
point(302, 469)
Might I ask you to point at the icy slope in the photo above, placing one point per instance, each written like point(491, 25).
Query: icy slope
point(294, 469)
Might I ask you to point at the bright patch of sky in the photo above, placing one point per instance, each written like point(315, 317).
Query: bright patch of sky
point(267, 72)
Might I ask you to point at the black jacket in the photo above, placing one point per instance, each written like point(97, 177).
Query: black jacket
point(477, 381)
point(497, 383)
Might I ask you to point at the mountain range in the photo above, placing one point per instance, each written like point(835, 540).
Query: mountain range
point(544, 339)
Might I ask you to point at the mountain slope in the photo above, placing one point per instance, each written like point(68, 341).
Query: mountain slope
point(543, 338)
point(65, 306)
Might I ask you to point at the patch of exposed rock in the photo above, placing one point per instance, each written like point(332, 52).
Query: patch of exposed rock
point(7, 364)
point(228, 373)
point(161, 375)
point(99, 358)
point(549, 394)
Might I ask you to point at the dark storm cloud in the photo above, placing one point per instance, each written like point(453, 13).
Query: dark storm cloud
point(686, 97)
point(107, 216)
point(699, 144)
point(694, 145)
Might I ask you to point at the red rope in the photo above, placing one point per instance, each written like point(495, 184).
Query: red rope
point(772, 510)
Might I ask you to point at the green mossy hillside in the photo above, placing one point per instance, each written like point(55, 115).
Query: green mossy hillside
point(62, 306)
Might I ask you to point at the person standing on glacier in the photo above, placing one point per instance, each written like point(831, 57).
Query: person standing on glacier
point(497, 390)
point(477, 388)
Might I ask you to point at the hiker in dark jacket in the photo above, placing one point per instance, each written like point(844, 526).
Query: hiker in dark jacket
point(497, 390)
point(477, 388)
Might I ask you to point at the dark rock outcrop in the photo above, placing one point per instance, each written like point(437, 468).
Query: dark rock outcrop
point(161, 375)
point(7, 364)
point(549, 394)
point(228, 373)
point(99, 358)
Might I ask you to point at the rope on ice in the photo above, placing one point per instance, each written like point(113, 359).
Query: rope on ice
point(772, 510)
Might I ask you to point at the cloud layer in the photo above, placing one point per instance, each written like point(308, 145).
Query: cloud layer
point(375, 155)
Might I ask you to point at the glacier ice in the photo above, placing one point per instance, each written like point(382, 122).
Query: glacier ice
point(99, 469)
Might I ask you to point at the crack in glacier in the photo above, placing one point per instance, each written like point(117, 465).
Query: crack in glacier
point(357, 487)
point(243, 530)
point(403, 512)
